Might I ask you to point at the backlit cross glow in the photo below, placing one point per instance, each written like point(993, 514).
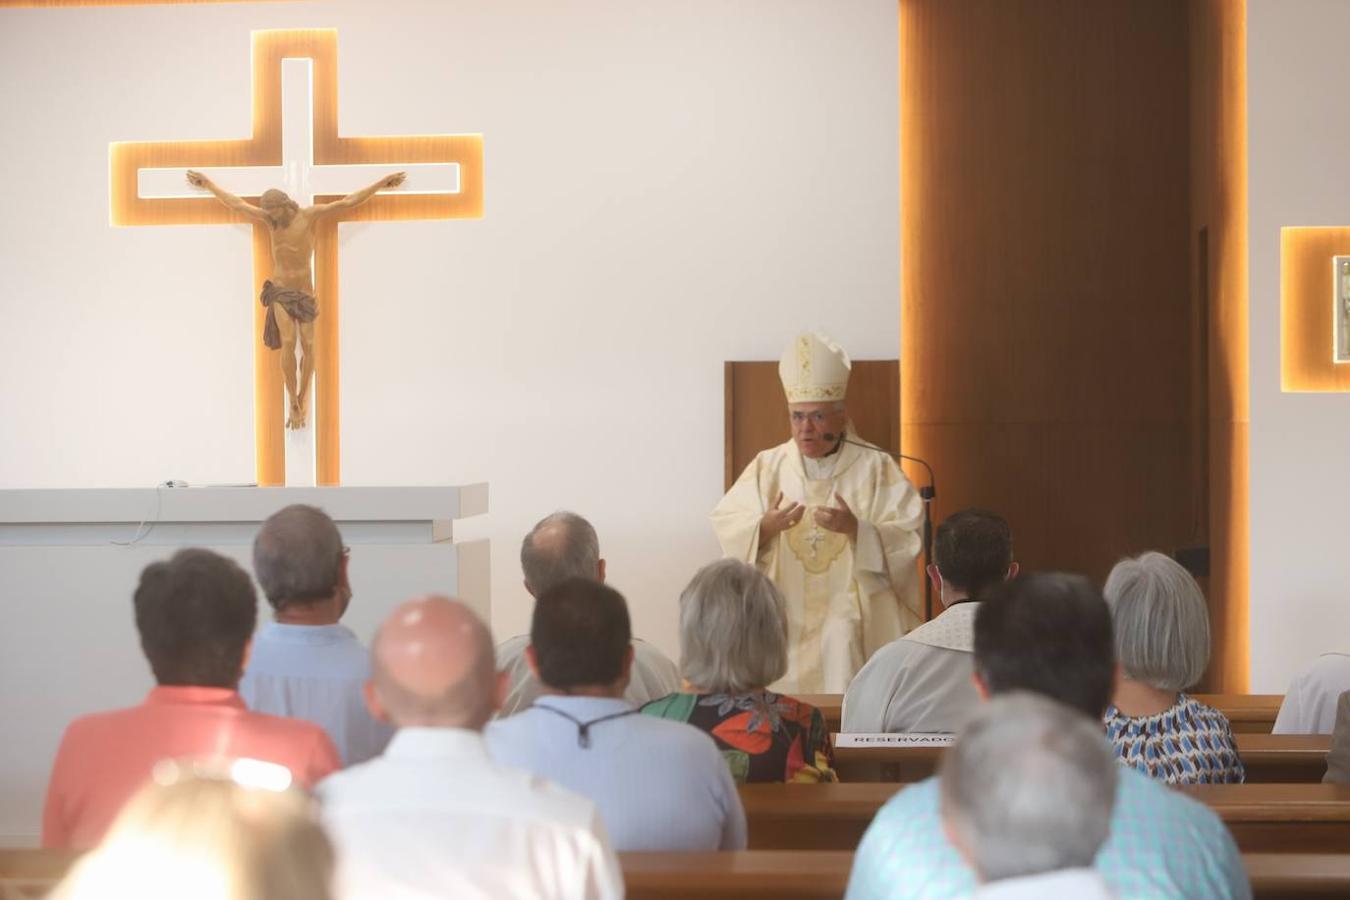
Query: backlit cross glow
point(298, 175)
point(296, 147)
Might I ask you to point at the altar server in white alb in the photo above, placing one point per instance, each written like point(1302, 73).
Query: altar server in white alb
point(833, 524)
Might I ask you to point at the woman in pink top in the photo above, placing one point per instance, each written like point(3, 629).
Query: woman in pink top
point(195, 614)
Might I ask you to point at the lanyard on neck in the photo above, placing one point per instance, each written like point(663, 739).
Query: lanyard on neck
point(584, 728)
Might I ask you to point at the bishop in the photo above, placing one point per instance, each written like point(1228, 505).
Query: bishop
point(832, 521)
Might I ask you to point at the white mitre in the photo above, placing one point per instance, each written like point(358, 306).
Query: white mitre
point(814, 368)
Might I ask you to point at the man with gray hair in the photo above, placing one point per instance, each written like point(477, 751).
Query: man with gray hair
point(304, 664)
point(1026, 799)
point(563, 545)
point(1050, 634)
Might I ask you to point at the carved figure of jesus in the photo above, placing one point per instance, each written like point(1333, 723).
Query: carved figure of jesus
point(292, 284)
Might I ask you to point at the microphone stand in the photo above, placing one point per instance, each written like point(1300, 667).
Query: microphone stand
point(927, 493)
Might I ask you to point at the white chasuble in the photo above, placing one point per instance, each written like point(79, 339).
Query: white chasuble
point(845, 598)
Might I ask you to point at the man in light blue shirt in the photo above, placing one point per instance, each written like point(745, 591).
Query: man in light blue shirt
point(659, 785)
point(305, 665)
point(1051, 634)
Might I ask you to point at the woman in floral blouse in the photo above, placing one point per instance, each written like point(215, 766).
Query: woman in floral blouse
point(1162, 643)
point(733, 640)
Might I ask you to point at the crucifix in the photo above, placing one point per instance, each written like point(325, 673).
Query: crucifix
point(296, 148)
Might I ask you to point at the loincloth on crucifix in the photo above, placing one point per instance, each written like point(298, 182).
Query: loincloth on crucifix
point(297, 304)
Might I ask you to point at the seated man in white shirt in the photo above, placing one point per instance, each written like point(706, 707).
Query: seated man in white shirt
point(435, 816)
point(659, 785)
point(1026, 799)
point(304, 664)
point(922, 681)
point(561, 546)
point(1309, 705)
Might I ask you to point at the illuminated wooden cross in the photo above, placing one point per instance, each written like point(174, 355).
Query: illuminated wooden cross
point(296, 147)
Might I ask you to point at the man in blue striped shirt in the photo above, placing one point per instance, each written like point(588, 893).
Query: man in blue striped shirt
point(658, 785)
point(1051, 634)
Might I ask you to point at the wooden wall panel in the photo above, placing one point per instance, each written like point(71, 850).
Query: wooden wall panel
point(756, 412)
point(1046, 337)
point(1218, 198)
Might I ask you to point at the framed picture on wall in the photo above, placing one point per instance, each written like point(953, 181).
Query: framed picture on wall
point(1340, 309)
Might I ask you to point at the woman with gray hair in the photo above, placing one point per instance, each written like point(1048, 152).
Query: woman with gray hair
point(733, 644)
point(1162, 644)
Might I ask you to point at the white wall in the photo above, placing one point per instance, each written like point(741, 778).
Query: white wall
point(668, 185)
point(1299, 136)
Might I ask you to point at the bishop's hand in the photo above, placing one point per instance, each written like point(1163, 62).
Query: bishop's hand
point(779, 519)
point(839, 519)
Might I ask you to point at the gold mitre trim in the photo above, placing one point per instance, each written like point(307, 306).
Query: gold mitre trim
point(814, 368)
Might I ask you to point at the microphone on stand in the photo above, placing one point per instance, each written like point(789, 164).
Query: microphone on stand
point(927, 494)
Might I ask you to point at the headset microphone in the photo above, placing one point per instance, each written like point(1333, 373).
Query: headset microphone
point(830, 437)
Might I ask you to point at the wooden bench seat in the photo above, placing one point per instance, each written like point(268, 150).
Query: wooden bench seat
point(790, 874)
point(823, 875)
point(1264, 818)
point(1248, 713)
point(793, 875)
point(1268, 758)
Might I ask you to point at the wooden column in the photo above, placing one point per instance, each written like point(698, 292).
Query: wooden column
point(1046, 337)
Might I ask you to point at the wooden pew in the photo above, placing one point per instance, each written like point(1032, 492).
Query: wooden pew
point(1268, 758)
point(1281, 818)
point(1264, 818)
point(1248, 713)
point(790, 874)
point(30, 873)
point(1289, 876)
point(795, 874)
point(1284, 758)
point(823, 875)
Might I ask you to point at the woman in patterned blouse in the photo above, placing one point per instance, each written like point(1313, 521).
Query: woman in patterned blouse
point(1162, 643)
point(733, 642)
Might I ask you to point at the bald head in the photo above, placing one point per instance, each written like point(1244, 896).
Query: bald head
point(560, 546)
point(433, 665)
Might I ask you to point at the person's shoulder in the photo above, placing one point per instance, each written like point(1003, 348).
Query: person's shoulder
point(1328, 665)
point(1205, 713)
point(910, 815)
point(801, 707)
point(94, 726)
point(1139, 796)
point(512, 649)
point(773, 456)
point(892, 655)
point(650, 658)
point(510, 731)
point(345, 649)
point(346, 640)
point(914, 800)
point(683, 739)
point(647, 650)
point(534, 797)
point(286, 727)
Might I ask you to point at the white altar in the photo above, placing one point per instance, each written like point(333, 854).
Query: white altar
point(70, 560)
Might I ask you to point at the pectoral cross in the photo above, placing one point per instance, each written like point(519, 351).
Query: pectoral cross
point(296, 147)
point(815, 537)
